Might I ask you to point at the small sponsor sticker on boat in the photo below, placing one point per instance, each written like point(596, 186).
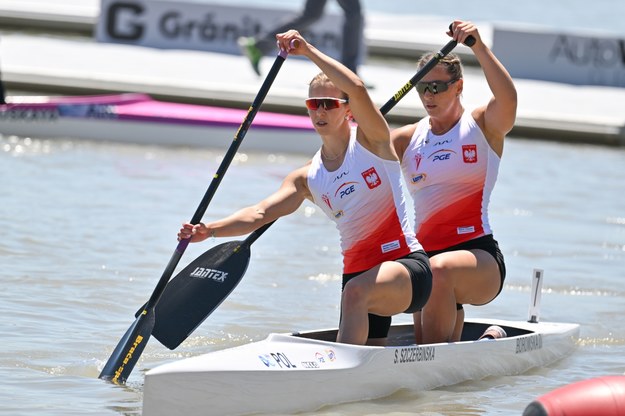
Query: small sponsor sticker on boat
point(309, 364)
point(278, 359)
point(327, 356)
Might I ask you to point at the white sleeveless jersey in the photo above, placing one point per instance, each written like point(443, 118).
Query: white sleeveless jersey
point(450, 178)
point(365, 199)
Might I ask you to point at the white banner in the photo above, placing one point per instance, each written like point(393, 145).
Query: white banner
point(561, 57)
point(202, 26)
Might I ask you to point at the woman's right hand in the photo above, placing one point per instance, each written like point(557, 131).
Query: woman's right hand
point(196, 233)
point(292, 42)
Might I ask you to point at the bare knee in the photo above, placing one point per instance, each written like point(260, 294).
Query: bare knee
point(353, 293)
point(442, 276)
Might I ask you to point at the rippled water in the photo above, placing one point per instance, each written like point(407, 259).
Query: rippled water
point(88, 228)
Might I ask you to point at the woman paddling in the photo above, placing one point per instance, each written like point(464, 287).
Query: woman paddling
point(355, 178)
point(450, 161)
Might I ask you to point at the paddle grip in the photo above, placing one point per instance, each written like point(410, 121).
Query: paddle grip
point(293, 44)
point(469, 41)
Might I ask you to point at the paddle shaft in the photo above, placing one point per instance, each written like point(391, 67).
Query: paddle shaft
point(257, 233)
point(2, 94)
point(126, 354)
point(225, 163)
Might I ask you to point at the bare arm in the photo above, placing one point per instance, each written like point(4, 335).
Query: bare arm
point(374, 128)
point(284, 201)
point(497, 117)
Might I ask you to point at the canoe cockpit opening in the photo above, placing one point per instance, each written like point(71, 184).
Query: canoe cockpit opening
point(403, 334)
point(326, 335)
point(473, 330)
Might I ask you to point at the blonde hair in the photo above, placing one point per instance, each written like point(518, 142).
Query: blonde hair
point(322, 79)
point(451, 62)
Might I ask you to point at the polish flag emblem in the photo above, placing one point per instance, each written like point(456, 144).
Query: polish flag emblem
point(469, 153)
point(372, 178)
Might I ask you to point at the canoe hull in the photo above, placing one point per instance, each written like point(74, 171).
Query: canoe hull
point(284, 373)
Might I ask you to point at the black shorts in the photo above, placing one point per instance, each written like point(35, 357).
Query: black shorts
point(418, 265)
point(486, 243)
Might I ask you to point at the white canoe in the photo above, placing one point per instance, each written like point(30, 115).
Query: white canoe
point(139, 119)
point(302, 372)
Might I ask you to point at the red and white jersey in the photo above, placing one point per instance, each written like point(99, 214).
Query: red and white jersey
point(365, 199)
point(450, 178)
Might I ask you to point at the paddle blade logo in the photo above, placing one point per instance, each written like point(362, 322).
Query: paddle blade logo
point(205, 273)
point(127, 358)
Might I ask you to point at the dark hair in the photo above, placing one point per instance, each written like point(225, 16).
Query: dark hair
point(451, 62)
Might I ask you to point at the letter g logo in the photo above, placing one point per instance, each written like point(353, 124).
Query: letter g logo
point(119, 21)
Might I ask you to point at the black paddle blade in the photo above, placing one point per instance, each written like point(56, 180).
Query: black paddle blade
point(129, 349)
point(194, 293)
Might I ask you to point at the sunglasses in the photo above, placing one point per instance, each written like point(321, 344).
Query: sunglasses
point(435, 86)
point(328, 103)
